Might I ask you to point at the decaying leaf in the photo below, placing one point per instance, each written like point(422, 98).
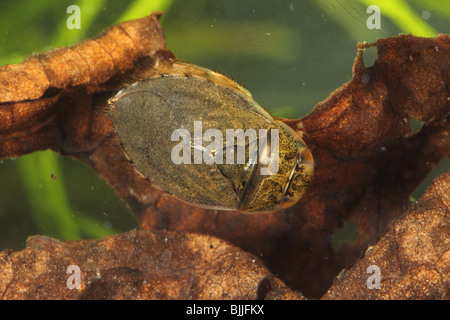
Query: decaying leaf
point(137, 265)
point(413, 258)
point(367, 159)
point(52, 100)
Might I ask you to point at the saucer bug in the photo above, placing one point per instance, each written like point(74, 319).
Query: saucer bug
point(174, 127)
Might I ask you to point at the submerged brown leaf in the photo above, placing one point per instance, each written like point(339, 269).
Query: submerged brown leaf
point(137, 265)
point(413, 258)
point(367, 159)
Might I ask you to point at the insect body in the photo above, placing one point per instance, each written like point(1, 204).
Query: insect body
point(202, 138)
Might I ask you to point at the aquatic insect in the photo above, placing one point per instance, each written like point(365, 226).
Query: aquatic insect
point(262, 166)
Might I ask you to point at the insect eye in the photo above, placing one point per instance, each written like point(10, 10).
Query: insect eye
point(296, 184)
point(305, 158)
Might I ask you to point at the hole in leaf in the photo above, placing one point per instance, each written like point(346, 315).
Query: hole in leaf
point(348, 232)
point(415, 124)
point(442, 167)
point(369, 56)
